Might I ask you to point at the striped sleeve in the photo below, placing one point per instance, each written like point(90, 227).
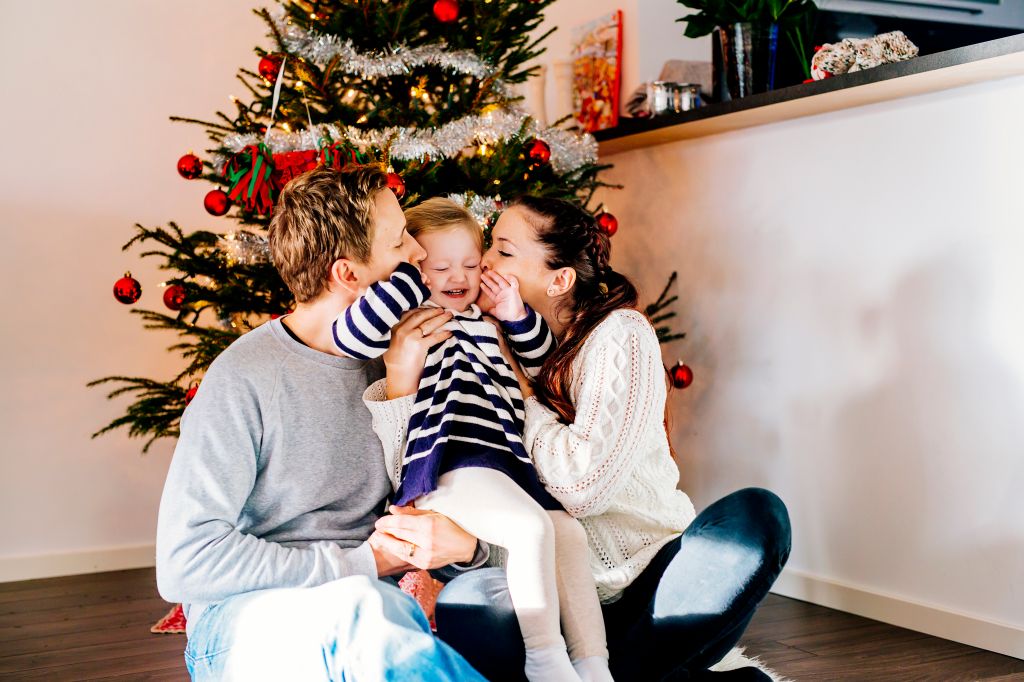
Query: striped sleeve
point(363, 330)
point(531, 340)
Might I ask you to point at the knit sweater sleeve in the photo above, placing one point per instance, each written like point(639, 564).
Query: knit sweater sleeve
point(363, 330)
point(619, 395)
point(531, 340)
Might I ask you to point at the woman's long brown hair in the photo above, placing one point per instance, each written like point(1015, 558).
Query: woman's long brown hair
point(573, 239)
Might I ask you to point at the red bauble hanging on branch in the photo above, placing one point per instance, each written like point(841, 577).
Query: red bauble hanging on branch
point(127, 290)
point(682, 376)
point(538, 151)
point(608, 223)
point(397, 184)
point(174, 297)
point(446, 11)
point(191, 392)
point(269, 67)
point(190, 166)
point(216, 202)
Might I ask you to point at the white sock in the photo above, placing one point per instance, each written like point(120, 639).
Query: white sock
point(593, 669)
point(550, 664)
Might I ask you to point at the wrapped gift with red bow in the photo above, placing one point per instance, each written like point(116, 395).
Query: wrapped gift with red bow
point(292, 164)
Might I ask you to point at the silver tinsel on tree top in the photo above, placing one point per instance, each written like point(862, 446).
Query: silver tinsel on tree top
point(322, 49)
point(569, 151)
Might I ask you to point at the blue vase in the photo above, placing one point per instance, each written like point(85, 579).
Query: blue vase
point(744, 60)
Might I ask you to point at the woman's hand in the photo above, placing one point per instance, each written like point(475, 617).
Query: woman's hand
point(423, 538)
point(419, 330)
point(508, 304)
point(524, 381)
point(384, 554)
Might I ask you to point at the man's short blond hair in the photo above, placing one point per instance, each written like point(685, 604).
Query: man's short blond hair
point(439, 214)
point(321, 216)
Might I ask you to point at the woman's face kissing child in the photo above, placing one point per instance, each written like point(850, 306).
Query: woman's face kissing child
point(452, 266)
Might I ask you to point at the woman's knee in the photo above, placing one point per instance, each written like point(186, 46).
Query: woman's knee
point(754, 517)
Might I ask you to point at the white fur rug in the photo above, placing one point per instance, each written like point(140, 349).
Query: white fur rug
point(735, 659)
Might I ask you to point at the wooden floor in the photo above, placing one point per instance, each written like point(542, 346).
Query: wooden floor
point(96, 627)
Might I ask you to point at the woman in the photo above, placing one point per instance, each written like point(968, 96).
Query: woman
point(595, 431)
point(678, 591)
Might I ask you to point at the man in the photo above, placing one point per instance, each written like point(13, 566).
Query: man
point(266, 525)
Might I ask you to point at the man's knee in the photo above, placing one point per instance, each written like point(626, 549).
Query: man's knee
point(369, 598)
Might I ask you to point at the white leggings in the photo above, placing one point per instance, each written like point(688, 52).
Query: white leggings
point(548, 557)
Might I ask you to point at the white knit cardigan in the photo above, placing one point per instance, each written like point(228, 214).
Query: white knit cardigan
point(611, 468)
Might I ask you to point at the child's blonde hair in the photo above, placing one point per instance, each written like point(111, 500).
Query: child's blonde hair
point(440, 214)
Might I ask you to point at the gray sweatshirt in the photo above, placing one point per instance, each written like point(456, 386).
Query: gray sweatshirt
point(277, 478)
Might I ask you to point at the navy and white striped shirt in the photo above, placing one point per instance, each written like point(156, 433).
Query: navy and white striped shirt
point(469, 409)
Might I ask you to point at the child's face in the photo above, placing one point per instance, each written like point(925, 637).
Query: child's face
point(453, 267)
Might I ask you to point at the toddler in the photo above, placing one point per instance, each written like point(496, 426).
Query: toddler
point(464, 456)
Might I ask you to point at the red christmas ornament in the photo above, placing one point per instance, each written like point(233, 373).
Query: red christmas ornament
point(397, 184)
point(269, 66)
point(127, 289)
point(446, 11)
point(608, 223)
point(191, 393)
point(682, 376)
point(190, 167)
point(174, 297)
point(216, 202)
point(538, 151)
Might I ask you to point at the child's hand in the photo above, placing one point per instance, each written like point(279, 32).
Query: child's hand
point(508, 304)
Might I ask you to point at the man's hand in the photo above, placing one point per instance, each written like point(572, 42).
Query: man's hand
point(410, 339)
point(508, 304)
point(424, 539)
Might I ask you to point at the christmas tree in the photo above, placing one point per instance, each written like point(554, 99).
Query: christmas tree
point(424, 88)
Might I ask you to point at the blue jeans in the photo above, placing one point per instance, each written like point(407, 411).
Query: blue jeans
point(682, 614)
point(354, 629)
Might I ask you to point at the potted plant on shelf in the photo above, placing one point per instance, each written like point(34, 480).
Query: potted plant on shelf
point(746, 38)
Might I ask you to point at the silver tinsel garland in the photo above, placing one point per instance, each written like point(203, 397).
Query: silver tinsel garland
point(244, 248)
point(569, 151)
point(322, 48)
point(481, 208)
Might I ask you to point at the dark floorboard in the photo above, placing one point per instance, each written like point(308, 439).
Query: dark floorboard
point(96, 627)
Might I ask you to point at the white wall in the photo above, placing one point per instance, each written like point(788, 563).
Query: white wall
point(852, 289)
point(89, 151)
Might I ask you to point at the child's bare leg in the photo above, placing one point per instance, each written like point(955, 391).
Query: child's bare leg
point(489, 505)
point(582, 620)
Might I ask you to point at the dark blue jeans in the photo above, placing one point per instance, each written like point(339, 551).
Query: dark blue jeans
point(682, 614)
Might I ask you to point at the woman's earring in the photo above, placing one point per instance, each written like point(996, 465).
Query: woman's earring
point(551, 291)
